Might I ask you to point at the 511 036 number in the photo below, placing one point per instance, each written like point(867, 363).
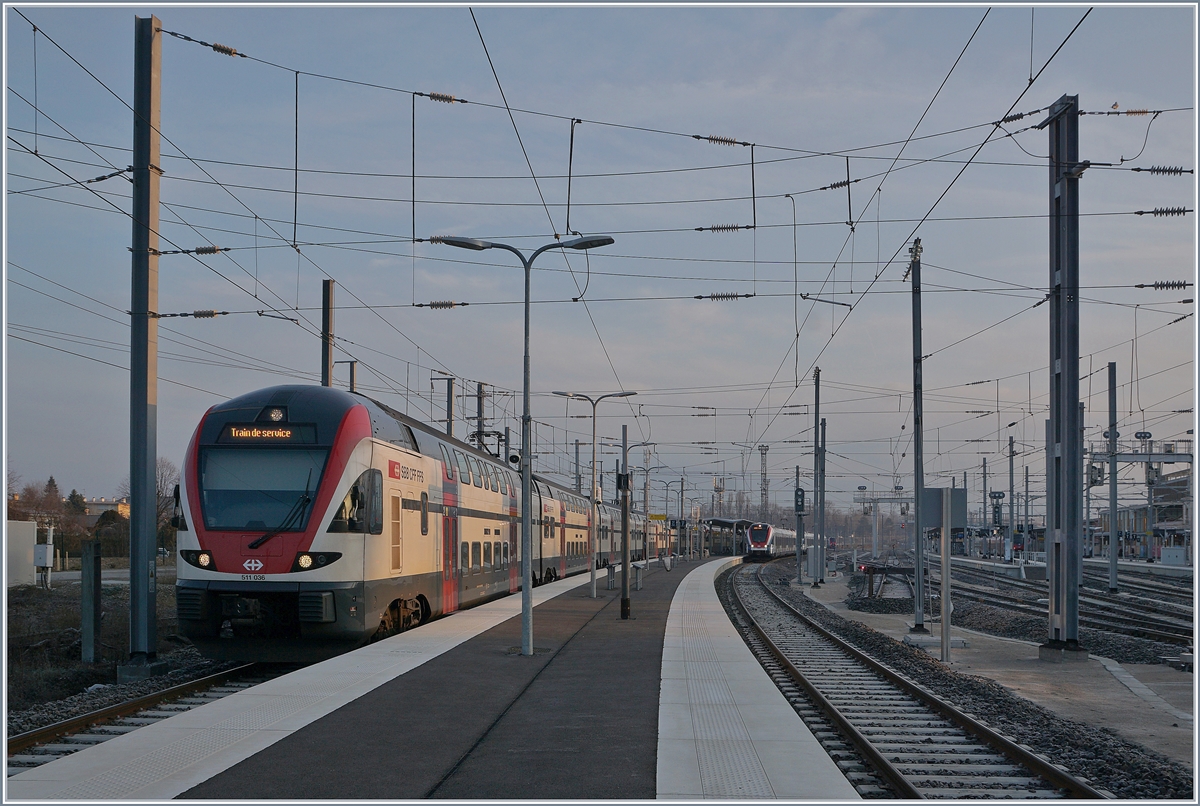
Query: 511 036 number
point(254, 577)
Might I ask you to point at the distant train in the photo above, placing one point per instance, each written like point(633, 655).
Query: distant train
point(312, 520)
point(764, 541)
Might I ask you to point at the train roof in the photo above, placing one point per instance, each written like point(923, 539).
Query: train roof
point(328, 405)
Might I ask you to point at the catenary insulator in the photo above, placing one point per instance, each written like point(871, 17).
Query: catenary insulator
point(228, 51)
point(442, 97)
point(203, 314)
point(207, 250)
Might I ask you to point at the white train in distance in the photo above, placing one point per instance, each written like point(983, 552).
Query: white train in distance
point(312, 520)
point(764, 542)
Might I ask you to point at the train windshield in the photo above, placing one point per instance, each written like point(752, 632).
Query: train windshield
point(758, 533)
point(258, 488)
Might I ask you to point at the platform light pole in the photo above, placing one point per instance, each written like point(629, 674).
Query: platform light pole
point(592, 547)
point(474, 244)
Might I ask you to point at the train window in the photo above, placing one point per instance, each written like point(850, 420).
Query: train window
point(397, 546)
point(487, 556)
point(496, 553)
point(478, 476)
point(464, 474)
point(505, 554)
point(424, 513)
point(464, 565)
point(362, 508)
point(504, 488)
point(476, 557)
point(496, 484)
point(447, 464)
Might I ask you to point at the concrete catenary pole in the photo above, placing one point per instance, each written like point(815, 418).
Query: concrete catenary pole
point(623, 482)
point(327, 332)
point(1112, 477)
point(816, 500)
point(799, 533)
point(1064, 519)
point(143, 349)
point(1008, 543)
point(918, 449)
point(822, 541)
point(947, 606)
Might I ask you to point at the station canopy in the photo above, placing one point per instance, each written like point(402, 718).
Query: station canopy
point(729, 523)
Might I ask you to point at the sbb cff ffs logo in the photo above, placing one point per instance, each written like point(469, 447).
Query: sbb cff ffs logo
point(799, 500)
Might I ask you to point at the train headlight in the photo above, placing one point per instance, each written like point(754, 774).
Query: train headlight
point(307, 560)
point(204, 559)
point(275, 415)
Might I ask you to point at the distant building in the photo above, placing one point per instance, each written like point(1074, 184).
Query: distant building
point(95, 507)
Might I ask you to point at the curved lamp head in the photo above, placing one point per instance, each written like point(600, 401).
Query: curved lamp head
point(588, 242)
point(473, 244)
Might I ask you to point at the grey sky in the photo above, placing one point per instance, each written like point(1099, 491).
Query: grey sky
point(809, 86)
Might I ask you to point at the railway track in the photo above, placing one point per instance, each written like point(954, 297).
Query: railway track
point(1124, 614)
point(43, 745)
point(891, 737)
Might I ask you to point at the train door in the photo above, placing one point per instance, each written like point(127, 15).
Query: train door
point(450, 571)
point(514, 567)
point(562, 542)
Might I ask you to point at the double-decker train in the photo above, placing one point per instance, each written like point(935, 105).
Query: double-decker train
point(764, 541)
point(313, 520)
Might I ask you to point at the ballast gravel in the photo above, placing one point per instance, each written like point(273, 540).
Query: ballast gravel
point(186, 663)
point(1127, 769)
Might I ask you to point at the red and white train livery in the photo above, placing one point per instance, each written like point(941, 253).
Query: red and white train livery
point(312, 520)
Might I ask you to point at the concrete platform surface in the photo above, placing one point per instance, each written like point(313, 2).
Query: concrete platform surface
point(166, 759)
point(725, 730)
point(1150, 704)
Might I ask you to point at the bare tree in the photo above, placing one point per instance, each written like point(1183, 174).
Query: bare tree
point(166, 476)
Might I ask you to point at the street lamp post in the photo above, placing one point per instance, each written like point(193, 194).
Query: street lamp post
point(474, 244)
point(594, 513)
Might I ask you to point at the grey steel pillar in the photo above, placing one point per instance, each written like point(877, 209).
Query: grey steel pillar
point(526, 483)
point(1012, 523)
point(623, 483)
point(327, 332)
point(987, 514)
point(918, 448)
point(479, 415)
point(91, 606)
point(1112, 477)
point(1062, 528)
point(449, 406)
point(947, 513)
point(799, 533)
point(816, 496)
point(578, 474)
point(143, 349)
point(822, 541)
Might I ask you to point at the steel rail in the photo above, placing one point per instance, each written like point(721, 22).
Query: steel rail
point(1136, 629)
point(1055, 774)
point(24, 741)
point(862, 744)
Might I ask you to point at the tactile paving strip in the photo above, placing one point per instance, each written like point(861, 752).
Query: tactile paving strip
point(729, 766)
point(174, 756)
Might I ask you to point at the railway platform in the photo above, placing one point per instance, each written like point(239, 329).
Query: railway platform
point(669, 704)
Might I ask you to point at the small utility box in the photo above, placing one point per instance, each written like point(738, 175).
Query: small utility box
point(1174, 555)
point(21, 537)
point(43, 555)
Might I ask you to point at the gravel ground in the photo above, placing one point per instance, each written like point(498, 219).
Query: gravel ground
point(186, 664)
point(1009, 624)
point(1124, 768)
